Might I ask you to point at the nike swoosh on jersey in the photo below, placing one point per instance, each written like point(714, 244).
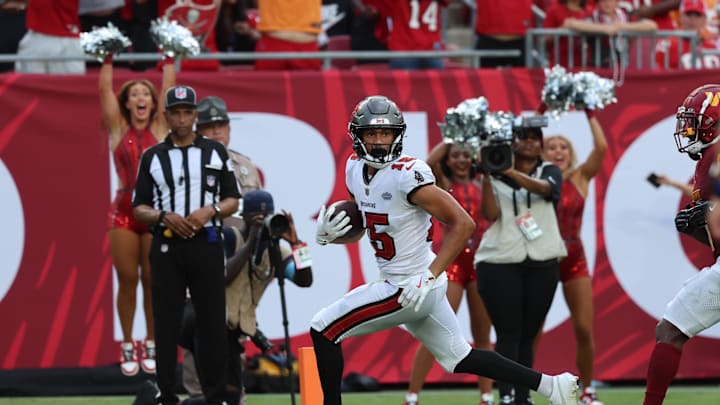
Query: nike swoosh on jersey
point(411, 166)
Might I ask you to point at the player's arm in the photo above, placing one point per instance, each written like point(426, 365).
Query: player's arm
point(460, 226)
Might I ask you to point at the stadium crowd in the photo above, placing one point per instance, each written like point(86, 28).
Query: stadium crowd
point(51, 28)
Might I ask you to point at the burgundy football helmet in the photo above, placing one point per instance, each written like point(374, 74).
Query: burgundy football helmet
point(697, 120)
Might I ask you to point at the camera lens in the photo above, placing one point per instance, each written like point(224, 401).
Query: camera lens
point(496, 157)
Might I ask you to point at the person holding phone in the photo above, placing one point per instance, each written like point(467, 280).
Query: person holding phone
point(658, 180)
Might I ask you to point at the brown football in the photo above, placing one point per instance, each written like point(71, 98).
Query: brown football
point(352, 211)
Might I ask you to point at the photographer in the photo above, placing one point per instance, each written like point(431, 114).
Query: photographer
point(517, 261)
point(250, 268)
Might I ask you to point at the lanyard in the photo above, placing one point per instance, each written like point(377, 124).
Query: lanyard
point(515, 207)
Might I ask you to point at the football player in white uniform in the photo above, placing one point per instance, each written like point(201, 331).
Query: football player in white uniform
point(397, 196)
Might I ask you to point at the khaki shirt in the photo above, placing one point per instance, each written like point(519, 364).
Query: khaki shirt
point(243, 294)
point(246, 173)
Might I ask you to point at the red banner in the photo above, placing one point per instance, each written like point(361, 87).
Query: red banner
point(56, 283)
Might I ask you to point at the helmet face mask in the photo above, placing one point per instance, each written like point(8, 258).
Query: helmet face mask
point(377, 112)
point(697, 119)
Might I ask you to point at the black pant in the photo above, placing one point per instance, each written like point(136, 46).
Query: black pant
point(517, 297)
point(200, 265)
point(189, 341)
point(488, 42)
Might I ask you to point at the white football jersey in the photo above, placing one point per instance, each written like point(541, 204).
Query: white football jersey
point(398, 230)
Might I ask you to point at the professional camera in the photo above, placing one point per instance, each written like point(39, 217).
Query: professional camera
point(274, 225)
point(261, 341)
point(500, 130)
point(496, 143)
point(524, 126)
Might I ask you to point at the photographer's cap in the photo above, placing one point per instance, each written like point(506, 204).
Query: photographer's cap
point(258, 201)
point(212, 109)
point(180, 95)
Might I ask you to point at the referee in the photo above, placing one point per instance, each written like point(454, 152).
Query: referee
point(185, 186)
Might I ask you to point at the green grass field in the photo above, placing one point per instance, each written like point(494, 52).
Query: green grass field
point(695, 395)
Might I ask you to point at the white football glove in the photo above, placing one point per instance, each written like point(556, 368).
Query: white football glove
point(417, 289)
point(330, 228)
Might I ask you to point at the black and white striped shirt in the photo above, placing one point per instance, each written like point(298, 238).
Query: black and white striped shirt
point(184, 179)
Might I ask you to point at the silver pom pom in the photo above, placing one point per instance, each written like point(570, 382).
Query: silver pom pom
point(470, 123)
point(592, 91)
point(173, 39)
point(464, 121)
point(498, 126)
point(581, 90)
point(103, 41)
point(558, 90)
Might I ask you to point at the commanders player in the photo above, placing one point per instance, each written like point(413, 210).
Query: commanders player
point(397, 197)
point(696, 306)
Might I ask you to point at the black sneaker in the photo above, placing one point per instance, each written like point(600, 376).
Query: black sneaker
point(147, 395)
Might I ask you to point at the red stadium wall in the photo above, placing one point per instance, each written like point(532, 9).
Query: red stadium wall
point(56, 279)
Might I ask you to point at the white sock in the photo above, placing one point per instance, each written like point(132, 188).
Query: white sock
point(411, 397)
point(546, 386)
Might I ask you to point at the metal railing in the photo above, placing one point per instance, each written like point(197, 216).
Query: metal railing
point(536, 55)
point(628, 45)
point(474, 55)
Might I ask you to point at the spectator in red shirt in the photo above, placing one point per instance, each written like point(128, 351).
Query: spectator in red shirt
point(609, 19)
point(693, 17)
point(556, 17)
point(501, 25)
point(415, 25)
point(53, 30)
point(199, 16)
point(656, 10)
